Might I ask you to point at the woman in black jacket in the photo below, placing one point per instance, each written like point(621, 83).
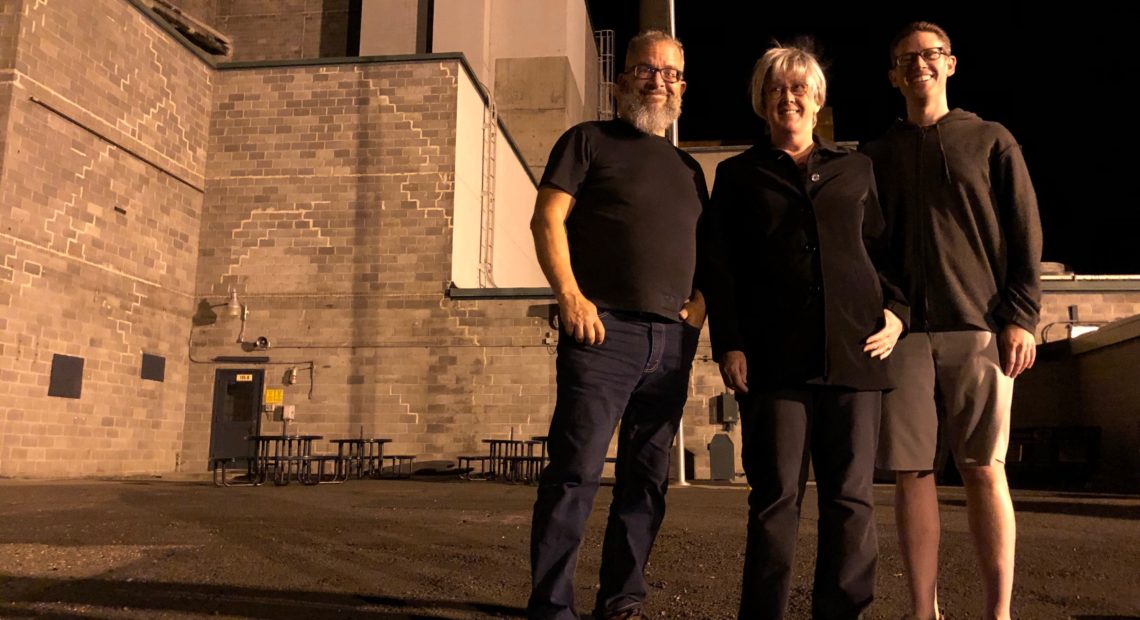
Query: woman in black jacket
point(802, 317)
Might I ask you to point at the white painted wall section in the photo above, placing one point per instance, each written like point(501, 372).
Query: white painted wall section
point(468, 183)
point(514, 263)
point(465, 26)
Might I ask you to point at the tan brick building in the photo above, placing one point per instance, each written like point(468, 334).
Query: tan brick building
point(143, 182)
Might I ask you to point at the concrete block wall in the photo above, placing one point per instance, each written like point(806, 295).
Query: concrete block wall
point(205, 11)
point(325, 202)
point(284, 29)
point(328, 211)
point(9, 31)
point(538, 100)
point(100, 195)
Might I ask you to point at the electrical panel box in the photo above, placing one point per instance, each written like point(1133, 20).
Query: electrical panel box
point(725, 409)
point(722, 458)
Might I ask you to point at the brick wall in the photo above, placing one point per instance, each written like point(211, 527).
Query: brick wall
point(1091, 306)
point(284, 29)
point(9, 29)
point(97, 246)
point(202, 10)
point(326, 206)
point(328, 210)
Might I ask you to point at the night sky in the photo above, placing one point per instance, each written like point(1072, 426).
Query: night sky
point(1014, 64)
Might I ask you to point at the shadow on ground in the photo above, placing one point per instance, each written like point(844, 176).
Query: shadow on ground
point(159, 598)
point(1071, 508)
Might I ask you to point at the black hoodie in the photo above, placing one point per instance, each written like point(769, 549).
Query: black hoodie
point(962, 221)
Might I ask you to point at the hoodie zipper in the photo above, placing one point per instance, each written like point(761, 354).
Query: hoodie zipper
point(922, 230)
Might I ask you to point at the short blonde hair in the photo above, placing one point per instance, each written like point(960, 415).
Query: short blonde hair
point(794, 62)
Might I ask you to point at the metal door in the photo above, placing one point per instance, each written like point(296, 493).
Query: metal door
point(237, 407)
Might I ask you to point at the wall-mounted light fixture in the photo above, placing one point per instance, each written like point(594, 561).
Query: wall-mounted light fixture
point(233, 307)
point(237, 309)
point(205, 314)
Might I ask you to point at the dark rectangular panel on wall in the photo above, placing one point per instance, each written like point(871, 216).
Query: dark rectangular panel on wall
point(153, 367)
point(425, 26)
point(66, 376)
point(355, 7)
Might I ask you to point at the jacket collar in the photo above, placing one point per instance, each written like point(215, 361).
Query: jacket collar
point(764, 151)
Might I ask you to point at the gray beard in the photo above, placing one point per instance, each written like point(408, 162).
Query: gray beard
point(648, 119)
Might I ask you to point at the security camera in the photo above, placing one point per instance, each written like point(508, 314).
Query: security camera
point(261, 343)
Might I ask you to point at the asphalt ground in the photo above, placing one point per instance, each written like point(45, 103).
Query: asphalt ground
point(436, 548)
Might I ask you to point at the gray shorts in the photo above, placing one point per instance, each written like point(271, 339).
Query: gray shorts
point(948, 382)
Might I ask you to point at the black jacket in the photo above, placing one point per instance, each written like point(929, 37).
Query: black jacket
point(795, 279)
point(963, 221)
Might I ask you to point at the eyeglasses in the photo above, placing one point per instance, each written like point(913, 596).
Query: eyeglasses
point(798, 90)
point(668, 74)
point(929, 54)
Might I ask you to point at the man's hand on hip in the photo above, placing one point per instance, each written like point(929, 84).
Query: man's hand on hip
point(580, 319)
point(693, 312)
point(1018, 350)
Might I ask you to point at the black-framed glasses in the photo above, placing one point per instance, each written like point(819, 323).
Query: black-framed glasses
point(668, 74)
point(779, 90)
point(929, 54)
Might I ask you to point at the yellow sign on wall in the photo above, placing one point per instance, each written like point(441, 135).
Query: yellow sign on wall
point(274, 396)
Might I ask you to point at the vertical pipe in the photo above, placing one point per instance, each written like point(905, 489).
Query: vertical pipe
point(661, 15)
point(680, 456)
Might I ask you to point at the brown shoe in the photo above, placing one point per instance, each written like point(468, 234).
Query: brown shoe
point(631, 611)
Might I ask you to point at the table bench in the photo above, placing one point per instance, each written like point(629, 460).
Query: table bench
point(398, 462)
point(223, 467)
point(467, 466)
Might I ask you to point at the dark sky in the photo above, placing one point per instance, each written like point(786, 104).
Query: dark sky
point(1017, 64)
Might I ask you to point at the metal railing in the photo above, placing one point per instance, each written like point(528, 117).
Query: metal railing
point(605, 42)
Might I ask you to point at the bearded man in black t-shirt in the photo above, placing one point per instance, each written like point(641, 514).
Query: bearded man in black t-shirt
point(615, 229)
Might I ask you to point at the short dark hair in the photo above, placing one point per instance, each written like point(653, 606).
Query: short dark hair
point(647, 38)
point(914, 27)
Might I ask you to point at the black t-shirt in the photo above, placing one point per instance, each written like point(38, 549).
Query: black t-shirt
point(633, 227)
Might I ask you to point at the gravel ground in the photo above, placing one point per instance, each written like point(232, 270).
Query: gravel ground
point(161, 548)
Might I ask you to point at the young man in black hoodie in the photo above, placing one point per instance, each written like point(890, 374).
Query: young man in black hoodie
point(964, 228)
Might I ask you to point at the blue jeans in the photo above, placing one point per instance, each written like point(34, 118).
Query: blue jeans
point(639, 377)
